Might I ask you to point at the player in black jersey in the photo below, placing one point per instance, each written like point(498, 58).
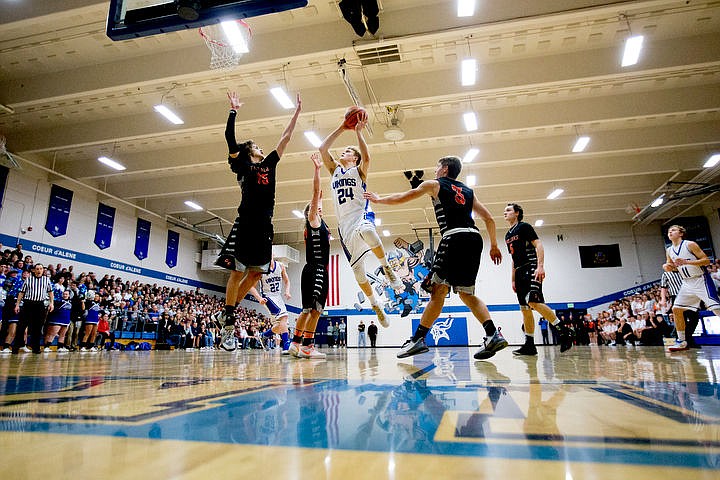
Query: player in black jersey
point(457, 260)
point(247, 252)
point(314, 279)
point(528, 273)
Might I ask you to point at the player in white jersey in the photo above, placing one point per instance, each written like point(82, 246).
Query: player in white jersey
point(273, 286)
point(688, 259)
point(355, 221)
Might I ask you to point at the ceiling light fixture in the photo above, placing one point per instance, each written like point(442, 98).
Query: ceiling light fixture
point(539, 222)
point(633, 46)
point(313, 138)
point(470, 120)
point(555, 194)
point(193, 205)
point(468, 72)
point(658, 201)
point(282, 97)
point(712, 161)
point(111, 163)
point(470, 180)
point(235, 36)
point(386, 233)
point(298, 213)
point(378, 221)
point(168, 114)
point(465, 8)
point(581, 143)
point(470, 155)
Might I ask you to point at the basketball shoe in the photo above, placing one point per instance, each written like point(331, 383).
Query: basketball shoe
point(227, 338)
point(491, 345)
point(413, 347)
point(678, 346)
point(526, 349)
point(566, 338)
point(294, 349)
point(309, 351)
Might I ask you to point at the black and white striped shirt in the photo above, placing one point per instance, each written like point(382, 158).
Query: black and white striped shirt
point(36, 289)
point(672, 281)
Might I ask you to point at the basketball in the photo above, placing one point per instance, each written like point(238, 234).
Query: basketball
point(353, 115)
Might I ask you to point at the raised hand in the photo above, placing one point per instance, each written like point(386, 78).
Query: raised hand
point(235, 102)
point(317, 161)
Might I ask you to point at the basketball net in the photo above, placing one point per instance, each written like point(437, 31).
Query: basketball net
point(227, 42)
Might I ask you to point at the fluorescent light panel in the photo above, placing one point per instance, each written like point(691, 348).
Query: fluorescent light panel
point(282, 97)
point(193, 205)
point(111, 163)
point(468, 72)
point(631, 54)
point(470, 155)
point(539, 222)
point(712, 161)
point(386, 233)
point(555, 193)
point(465, 8)
point(298, 213)
point(580, 144)
point(169, 114)
point(313, 138)
point(470, 120)
point(658, 201)
point(378, 221)
point(470, 180)
point(235, 36)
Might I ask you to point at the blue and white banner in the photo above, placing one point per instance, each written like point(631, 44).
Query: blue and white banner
point(142, 239)
point(72, 256)
point(173, 244)
point(58, 211)
point(104, 226)
point(446, 331)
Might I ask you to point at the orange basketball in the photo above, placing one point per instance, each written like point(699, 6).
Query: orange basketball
point(353, 115)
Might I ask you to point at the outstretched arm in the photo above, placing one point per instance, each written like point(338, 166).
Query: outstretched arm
point(254, 292)
point(482, 211)
point(430, 187)
point(235, 103)
point(540, 252)
point(362, 146)
point(314, 212)
point(327, 159)
point(285, 137)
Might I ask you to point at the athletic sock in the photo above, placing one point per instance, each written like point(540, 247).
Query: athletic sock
point(489, 327)
point(529, 339)
point(268, 333)
point(61, 345)
point(307, 339)
point(420, 333)
point(383, 262)
point(297, 336)
point(285, 339)
point(681, 335)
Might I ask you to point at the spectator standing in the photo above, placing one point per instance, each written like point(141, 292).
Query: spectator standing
point(362, 336)
point(372, 333)
point(544, 330)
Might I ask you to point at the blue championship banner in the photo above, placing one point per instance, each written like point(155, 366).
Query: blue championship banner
point(173, 243)
point(142, 239)
point(104, 226)
point(58, 211)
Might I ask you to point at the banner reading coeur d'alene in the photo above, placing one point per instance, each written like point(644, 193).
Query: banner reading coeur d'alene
point(72, 257)
point(104, 226)
point(142, 239)
point(173, 243)
point(58, 211)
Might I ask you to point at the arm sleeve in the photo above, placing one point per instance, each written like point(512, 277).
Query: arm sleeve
point(230, 133)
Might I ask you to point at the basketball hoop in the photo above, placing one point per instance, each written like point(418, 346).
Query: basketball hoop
point(227, 41)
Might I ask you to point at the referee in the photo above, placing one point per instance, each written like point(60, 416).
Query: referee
point(36, 296)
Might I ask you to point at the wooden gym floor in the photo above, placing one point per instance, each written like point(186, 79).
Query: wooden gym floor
point(592, 412)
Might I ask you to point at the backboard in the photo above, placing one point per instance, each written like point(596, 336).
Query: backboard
point(140, 18)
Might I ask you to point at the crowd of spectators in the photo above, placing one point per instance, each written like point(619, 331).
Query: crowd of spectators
point(172, 316)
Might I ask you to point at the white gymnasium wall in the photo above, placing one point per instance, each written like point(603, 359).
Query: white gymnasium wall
point(26, 204)
point(642, 254)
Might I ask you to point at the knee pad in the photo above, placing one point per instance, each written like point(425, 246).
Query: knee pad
point(370, 236)
point(359, 272)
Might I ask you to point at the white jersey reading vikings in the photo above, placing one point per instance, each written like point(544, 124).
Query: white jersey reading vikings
point(350, 206)
point(682, 251)
point(271, 288)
